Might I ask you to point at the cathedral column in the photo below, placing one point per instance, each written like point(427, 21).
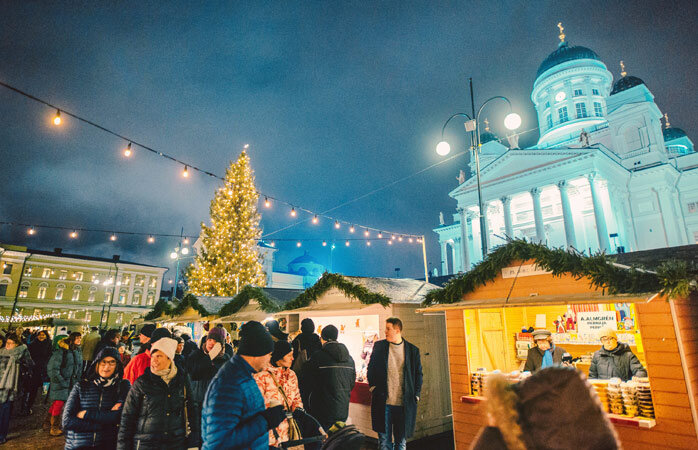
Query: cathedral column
point(486, 237)
point(454, 257)
point(621, 210)
point(444, 258)
point(670, 216)
point(538, 215)
point(601, 230)
point(506, 207)
point(567, 218)
point(465, 251)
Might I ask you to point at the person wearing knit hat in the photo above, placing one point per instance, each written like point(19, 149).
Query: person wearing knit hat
point(275, 330)
point(234, 411)
point(144, 337)
point(304, 345)
point(614, 359)
point(544, 353)
point(136, 367)
point(203, 363)
point(329, 333)
point(159, 409)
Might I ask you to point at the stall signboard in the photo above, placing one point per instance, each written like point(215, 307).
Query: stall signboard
point(589, 324)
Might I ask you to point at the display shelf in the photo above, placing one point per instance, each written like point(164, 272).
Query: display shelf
point(638, 422)
point(472, 399)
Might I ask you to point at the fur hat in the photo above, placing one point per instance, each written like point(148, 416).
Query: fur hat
point(166, 345)
point(330, 333)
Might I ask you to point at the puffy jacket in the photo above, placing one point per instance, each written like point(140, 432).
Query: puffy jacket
point(534, 360)
point(136, 367)
point(189, 346)
point(231, 416)
point(329, 376)
point(153, 416)
point(99, 427)
point(620, 362)
point(201, 370)
point(64, 369)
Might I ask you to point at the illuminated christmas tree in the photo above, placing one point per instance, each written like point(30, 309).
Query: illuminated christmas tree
point(229, 258)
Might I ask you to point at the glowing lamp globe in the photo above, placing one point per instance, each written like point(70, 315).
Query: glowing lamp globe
point(512, 121)
point(443, 148)
point(173, 255)
point(185, 251)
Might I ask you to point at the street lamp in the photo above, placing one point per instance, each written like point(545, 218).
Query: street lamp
point(180, 252)
point(512, 121)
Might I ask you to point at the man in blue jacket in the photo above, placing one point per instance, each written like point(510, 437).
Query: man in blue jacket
point(233, 415)
point(395, 380)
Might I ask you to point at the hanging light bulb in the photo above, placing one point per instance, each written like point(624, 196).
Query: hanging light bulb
point(298, 244)
point(336, 224)
point(127, 150)
point(31, 231)
point(368, 243)
point(390, 242)
point(57, 117)
point(185, 172)
point(74, 234)
point(392, 238)
point(315, 220)
point(346, 243)
point(112, 237)
point(293, 212)
point(380, 235)
point(411, 240)
point(185, 241)
point(267, 203)
point(324, 243)
point(273, 244)
point(151, 239)
point(366, 232)
point(351, 229)
point(399, 238)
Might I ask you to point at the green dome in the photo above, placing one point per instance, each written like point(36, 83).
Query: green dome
point(564, 53)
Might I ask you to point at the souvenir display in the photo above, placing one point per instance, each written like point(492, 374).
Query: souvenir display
point(632, 398)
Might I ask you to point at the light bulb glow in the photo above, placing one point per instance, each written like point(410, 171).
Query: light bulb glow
point(31, 231)
point(400, 239)
point(315, 220)
point(151, 239)
point(173, 255)
point(512, 121)
point(411, 240)
point(298, 244)
point(127, 150)
point(351, 229)
point(380, 235)
point(324, 243)
point(366, 233)
point(57, 117)
point(74, 234)
point(390, 242)
point(443, 148)
point(336, 224)
point(273, 244)
point(267, 203)
point(293, 212)
point(185, 251)
point(368, 243)
point(185, 172)
point(392, 238)
point(185, 242)
point(346, 243)
point(112, 237)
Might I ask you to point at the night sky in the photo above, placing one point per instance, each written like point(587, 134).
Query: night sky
point(336, 99)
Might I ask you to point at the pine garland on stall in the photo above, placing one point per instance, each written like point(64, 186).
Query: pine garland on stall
point(229, 256)
point(243, 299)
point(161, 307)
point(335, 280)
point(189, 300)
point(673, 279)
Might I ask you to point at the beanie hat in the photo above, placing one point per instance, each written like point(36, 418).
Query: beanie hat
point(307, 326)
point(281, 349)
point(608, 332)
point(275, 330)
point(148, 329)
point(541, 334)
point(166, 345)
point(217, 334)
point(330, 333)
point(255, 340)
point(159, 334)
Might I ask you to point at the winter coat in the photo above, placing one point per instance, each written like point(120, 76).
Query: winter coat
point(231, 416)
point(153, 416)
point(269, 381)
point(11, 364)
point(136, 367)
point(310, 342)
point(534, 360)
point(189, 347)
point(329, 376)
point(620, 362)
point(64, 369)
point(89, 345)
point(99, 427)
point(411, 387)
point(40, 352)
point(201, 370)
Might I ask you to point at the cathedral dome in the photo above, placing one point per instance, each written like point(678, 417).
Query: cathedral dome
point(487, 136)
point(626, 83)
point(673, 133)
point(564, 53)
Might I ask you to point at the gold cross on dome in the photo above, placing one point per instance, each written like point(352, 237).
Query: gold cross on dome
point(562, 35)
point(622, 69)
point(666, 121)
point(487, 124)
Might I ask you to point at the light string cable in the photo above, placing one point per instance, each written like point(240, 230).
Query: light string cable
point(187, 165)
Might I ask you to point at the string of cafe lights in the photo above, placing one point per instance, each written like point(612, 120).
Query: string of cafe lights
point(131, 144)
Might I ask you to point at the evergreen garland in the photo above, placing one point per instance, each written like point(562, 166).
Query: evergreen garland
point(161, 307)
point(673, 279)
point(243, 299)
point(187, 301)
point(335, 280)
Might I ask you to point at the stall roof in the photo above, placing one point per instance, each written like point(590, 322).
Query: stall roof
point(213, 304)
point(652, 259)
point(253, 311)
point(398, 290)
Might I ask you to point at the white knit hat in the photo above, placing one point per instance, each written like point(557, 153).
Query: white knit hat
point(166, 345)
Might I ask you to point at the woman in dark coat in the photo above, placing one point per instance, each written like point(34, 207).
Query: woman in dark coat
point(93, 411)
point(203, 364)
point(64, 370)
point(159, 410)
point(110, 339)
point(40, 350)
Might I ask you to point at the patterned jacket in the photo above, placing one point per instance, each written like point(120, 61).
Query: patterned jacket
point(287, 380)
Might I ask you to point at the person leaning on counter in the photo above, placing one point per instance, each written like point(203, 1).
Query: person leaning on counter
point(614, 359)
point(544, 353)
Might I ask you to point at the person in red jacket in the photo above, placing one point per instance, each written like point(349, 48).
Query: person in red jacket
point(136, 367)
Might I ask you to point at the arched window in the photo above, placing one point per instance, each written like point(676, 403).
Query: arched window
point(24, 289)
point(151, 298)
point(42, 291)
point(76, 292)
point(137, 295)
point(3, 287)
point(59, 291)
point(122, 296)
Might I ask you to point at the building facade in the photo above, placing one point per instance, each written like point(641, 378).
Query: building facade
point(98, 291)
point(604, 174)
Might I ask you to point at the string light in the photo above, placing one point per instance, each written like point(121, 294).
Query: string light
point(399, 238)
point(392, 238)
point(127, 150)
point(366, 233)
point(151, 239)
point(293, 212)
point(380, 235)
point(57, 117)
point(267, 203)
point(368, 243)
point(298, 244)
point(112, 237)
point(390, 242)
point(273, 244)
point(324, 243)
point(351, 229)
point(31, 231)
point(74, 234)
point(336, 224)
point(315, 220)
point(185, 172)
point(185, 241)
point(346, 243)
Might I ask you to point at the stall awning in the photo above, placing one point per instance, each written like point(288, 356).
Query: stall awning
point(344, 306)
point(562, 299)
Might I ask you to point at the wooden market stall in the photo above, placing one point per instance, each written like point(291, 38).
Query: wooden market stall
point(358, 307)
point(524, 285)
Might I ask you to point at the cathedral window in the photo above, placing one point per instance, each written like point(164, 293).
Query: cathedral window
point(581, 110)
point(598, 109)
point(562, 114)
point(547, 105)
point(692, 207)
point(595, 92)
point(578, 93)
point(549, 120)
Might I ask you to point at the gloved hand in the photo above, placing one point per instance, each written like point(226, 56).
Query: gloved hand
point(274, 416)
point(215, 351)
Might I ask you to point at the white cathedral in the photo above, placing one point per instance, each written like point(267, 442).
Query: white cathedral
point(604, 175)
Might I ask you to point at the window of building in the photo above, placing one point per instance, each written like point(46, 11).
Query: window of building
point(581, 110)
point(140, 281)
point(59, 292)
point(71, 314)
point(78, 276)
point(122, 297)
point(578, 92)
point(549, 120)
point(46, 273)
point(692, 207)
point(7, 269)
point(137, 298)
point(119, 317)
point(63, 275)
point(42, 291)
point(28, 271)
point(547, 104)
point(595, 92)
point(107, 297)
point(37, 311)
point(153, 282)
point(24, 289)
point(126, 279)
point(76, 293)
point(598, 109)
point(3, 288)
point(91, 295)
point(562, 114)
point(88, 316)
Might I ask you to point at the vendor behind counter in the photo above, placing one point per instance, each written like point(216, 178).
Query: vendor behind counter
point(614, 359)
point(544, 353)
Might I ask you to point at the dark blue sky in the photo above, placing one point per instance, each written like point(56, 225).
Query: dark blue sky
point(335, 98)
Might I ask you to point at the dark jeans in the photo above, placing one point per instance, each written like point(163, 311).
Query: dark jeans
point(394, 429)
point(5, 412)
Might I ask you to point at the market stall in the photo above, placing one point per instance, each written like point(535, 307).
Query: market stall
point(358, 307)
point(521, 287)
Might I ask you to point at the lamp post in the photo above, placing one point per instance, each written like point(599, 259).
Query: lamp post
point(180, 252)
point(512, 121)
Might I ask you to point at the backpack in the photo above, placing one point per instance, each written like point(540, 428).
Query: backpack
point(300, 361)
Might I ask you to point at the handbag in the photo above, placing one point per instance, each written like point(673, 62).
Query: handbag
point(294, 431)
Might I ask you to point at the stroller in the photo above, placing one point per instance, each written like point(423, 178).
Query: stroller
point(340, 436)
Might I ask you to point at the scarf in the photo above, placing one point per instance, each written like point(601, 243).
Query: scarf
point(10, 375)
point(105, 382)
point(167, 374)
point(547, 359)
